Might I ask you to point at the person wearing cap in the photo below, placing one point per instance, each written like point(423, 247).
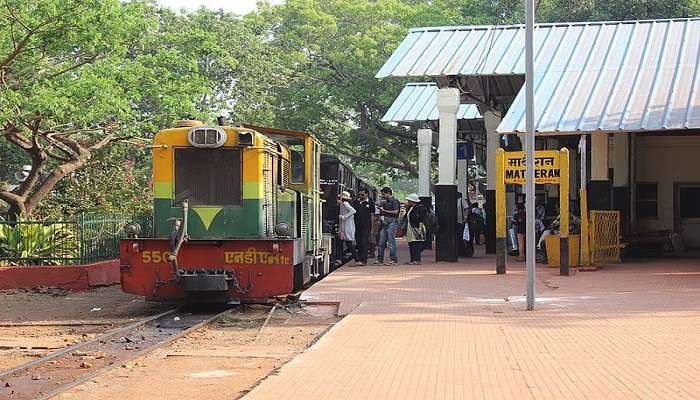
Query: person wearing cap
point(414, 227)
point(347, 224)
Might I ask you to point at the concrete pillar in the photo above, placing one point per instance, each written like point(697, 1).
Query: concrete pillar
point(574, 172)
point(462, 177)
point(448, 104)
point(425, 140)
point(446, 190)
point(633, 182)
point(621, 177)
point(491, 121)
point(599, 192)
point(621, 160)
point(599, 157)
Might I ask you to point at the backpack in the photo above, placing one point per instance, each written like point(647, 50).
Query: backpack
point(430, 221)
point(476, 222)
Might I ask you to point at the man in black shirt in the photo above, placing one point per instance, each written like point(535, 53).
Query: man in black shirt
point(364, 208)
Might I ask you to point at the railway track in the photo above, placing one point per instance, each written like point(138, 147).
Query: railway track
point(59, 371)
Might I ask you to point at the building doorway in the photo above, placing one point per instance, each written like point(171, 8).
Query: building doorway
point(687, 213)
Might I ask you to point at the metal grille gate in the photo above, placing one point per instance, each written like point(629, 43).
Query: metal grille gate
point(605, 236)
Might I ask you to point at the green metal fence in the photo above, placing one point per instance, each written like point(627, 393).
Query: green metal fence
point(87, 238)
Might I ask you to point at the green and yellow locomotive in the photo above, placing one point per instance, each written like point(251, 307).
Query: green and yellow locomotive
point(237, 216)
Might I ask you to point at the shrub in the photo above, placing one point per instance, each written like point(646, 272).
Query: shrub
point(35, 243)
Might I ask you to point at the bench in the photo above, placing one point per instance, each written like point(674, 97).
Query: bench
point(652, 243)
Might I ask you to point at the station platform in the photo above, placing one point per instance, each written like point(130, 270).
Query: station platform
point(459, 331)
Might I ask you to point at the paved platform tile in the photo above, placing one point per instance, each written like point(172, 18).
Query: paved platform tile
point(458, 331)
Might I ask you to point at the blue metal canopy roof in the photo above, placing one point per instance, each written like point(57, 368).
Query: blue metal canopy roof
point(597, 76)
point(418, 102)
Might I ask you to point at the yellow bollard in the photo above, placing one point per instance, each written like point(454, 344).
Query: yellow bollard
point(500, 212)
point(585, 249)
point(564, 211)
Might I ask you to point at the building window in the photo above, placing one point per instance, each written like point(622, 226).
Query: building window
point(689, 199)
point(647, 200)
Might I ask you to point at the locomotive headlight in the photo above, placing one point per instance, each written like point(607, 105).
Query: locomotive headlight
point(132, 229)
point(283, 229)
point(207, 136)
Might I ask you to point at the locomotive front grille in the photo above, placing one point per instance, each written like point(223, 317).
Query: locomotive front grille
point(208, 177)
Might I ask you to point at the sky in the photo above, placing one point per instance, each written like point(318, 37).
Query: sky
point(236, 6)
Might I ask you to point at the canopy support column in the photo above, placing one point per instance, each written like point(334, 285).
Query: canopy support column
point(446, 190)
point(462, 178)
point(599, 193)
point(425, 141)
point(621, 182)
point(491, 121)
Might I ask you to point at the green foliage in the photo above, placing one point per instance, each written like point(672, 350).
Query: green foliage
point(80, 74)
point(30, 243)
point(117, 180)
point(11, 161)
point(64, 60)
point(337, 47)
point(489, 12)
point(74, 72)
point(613, 10)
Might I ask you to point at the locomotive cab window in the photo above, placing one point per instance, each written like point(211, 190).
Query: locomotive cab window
point(298, 165)
point(208, 177)
point(297, 150)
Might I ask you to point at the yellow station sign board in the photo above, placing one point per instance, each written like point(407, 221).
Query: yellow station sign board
point(546, 167)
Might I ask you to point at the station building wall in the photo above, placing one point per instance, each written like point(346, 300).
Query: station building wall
point(665, 160)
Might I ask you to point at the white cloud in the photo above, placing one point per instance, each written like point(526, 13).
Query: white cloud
point(236, 6)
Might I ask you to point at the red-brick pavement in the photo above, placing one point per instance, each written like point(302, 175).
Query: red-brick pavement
point(458, 331)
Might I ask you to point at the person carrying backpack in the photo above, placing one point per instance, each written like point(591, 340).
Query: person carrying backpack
point(414, 226)
point(476, 223)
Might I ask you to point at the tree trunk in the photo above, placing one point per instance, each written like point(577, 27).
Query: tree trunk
point(46, 186)
point(16, 203)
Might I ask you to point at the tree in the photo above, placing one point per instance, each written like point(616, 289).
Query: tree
point(118, 181)
point(239, 67)
point(337, 47)
point(58, 73)
point(490, 12)
point(613, 10)
point(78, 75)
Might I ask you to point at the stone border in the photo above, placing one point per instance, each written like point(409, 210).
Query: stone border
point(68, 277)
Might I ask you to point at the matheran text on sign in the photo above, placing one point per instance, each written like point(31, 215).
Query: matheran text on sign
point(546, 167)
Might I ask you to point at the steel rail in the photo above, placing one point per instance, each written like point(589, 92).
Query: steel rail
point(78, 346)
point(118, 357)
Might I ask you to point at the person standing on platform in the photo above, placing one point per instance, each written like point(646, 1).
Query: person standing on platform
point(389, 209)
point(364, 208)
point(414, 227)
point(476, 223)
point(520, 220)
point(430, 230)
point(374, 234)
point(465, 248)
point(347, 224)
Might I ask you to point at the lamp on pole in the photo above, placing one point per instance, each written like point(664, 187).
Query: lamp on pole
point(530, 153)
